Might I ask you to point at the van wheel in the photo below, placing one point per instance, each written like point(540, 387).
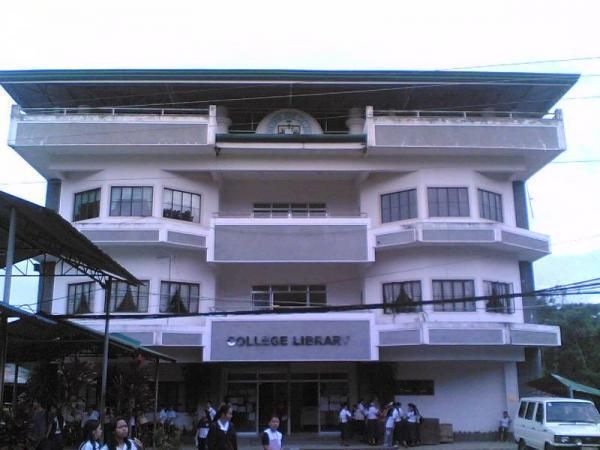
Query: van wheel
point(522, 445)
point(548, 446)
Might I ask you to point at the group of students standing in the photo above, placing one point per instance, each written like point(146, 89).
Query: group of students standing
point(117, 436)
point(215, 431)
point(401, 427)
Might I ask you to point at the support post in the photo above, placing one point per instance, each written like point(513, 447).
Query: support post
point(107, 290)
point(15, 385)
point(10, 258)
point(154, 425)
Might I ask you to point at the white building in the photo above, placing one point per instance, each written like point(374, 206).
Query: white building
point(253, 190)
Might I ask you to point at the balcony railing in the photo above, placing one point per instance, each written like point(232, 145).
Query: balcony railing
point(112, 111)
point(467, 114)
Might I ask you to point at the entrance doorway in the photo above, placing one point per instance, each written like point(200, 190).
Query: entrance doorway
point(305, 407)
point(273, 401)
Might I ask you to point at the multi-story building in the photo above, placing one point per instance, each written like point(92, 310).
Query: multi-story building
point(258, 191)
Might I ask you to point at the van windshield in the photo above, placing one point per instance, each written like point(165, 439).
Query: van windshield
point(571, 412)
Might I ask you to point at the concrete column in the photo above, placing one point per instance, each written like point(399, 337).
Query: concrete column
point(528, 285)
point(46, 270)
point(53, 194)
point(520, 200)
point(511, 386)
point(355, 121)
point(46, 286)
point(223, 121)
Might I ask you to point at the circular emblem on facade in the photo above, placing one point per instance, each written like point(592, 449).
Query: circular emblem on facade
point(231, 341)
point(288, 121)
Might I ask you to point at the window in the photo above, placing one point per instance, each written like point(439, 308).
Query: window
point(414, 387)
point(496, 303)
point(399, 206)
point(452, 290)
point(448, 202)
point(86, 205)
point(181, 205)
point(288, 296)
point(289, 210)
point(539, 413)
point(490, 205)
point(129, 299)
point(402, 297)
point(530, 409)
point(131, 201)
point(80, 298)
point(179, 297)
point(522, 409)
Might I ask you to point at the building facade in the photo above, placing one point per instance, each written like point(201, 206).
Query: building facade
point(261, 191)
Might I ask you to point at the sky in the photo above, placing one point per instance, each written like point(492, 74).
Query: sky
point(528, 36)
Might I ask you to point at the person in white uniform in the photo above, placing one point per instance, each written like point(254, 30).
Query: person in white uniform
point(272, 439)
point(118, 439)
point(345, 417)
point(92, 432)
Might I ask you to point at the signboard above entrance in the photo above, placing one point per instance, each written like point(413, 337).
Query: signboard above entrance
point(316, 340)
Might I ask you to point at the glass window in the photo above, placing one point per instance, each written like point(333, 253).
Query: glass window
point(289, 210)
point(522, 409)
point(180, 298)
point(131, 201)
point(125, 298)
point(80, 298)
point(284, 296)
point(572, 412)
point(539, 413)
point(496, 303)
point(448, 202)
point(86, 205)
point(181, 205)
point(530, 410)
point(402, 296)
point(399, 206)
point(490, 205)
point(452, 290)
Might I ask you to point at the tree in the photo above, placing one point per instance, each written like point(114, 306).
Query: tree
point(578, 357)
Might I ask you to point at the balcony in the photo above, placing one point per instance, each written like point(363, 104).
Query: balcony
point(108, 131)
point(469, 334)
point(468, 133)
point(527, 245)
point(290, 239)
point(152, 231)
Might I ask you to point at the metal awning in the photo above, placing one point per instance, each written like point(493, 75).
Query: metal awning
point(561, 386)
point(42, 231)
point(35, 337)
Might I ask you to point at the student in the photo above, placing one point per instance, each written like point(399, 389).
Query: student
point(414, 421)
point(221, 435)
point(56, 424)
point(345, 417)
point(372, 416)
point(92, 431)
point(504, 425)
point(210, 411)
point(272, 439)
point(118, 439)
point(202, 432)
point(390, 420)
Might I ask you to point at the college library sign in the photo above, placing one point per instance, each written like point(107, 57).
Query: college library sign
point(323, 340)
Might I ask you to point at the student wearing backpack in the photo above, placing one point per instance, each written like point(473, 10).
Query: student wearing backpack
point(92, 431)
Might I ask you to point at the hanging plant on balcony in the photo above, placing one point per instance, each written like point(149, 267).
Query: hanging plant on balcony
point(127, 304)
point(176, 304)
point(84, 306)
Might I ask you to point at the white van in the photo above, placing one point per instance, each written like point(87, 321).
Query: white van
point(547, 423)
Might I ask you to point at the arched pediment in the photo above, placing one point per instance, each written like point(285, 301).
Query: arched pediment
point(289, 121)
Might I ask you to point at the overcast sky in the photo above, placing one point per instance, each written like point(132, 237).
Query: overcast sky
point(398, 35)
